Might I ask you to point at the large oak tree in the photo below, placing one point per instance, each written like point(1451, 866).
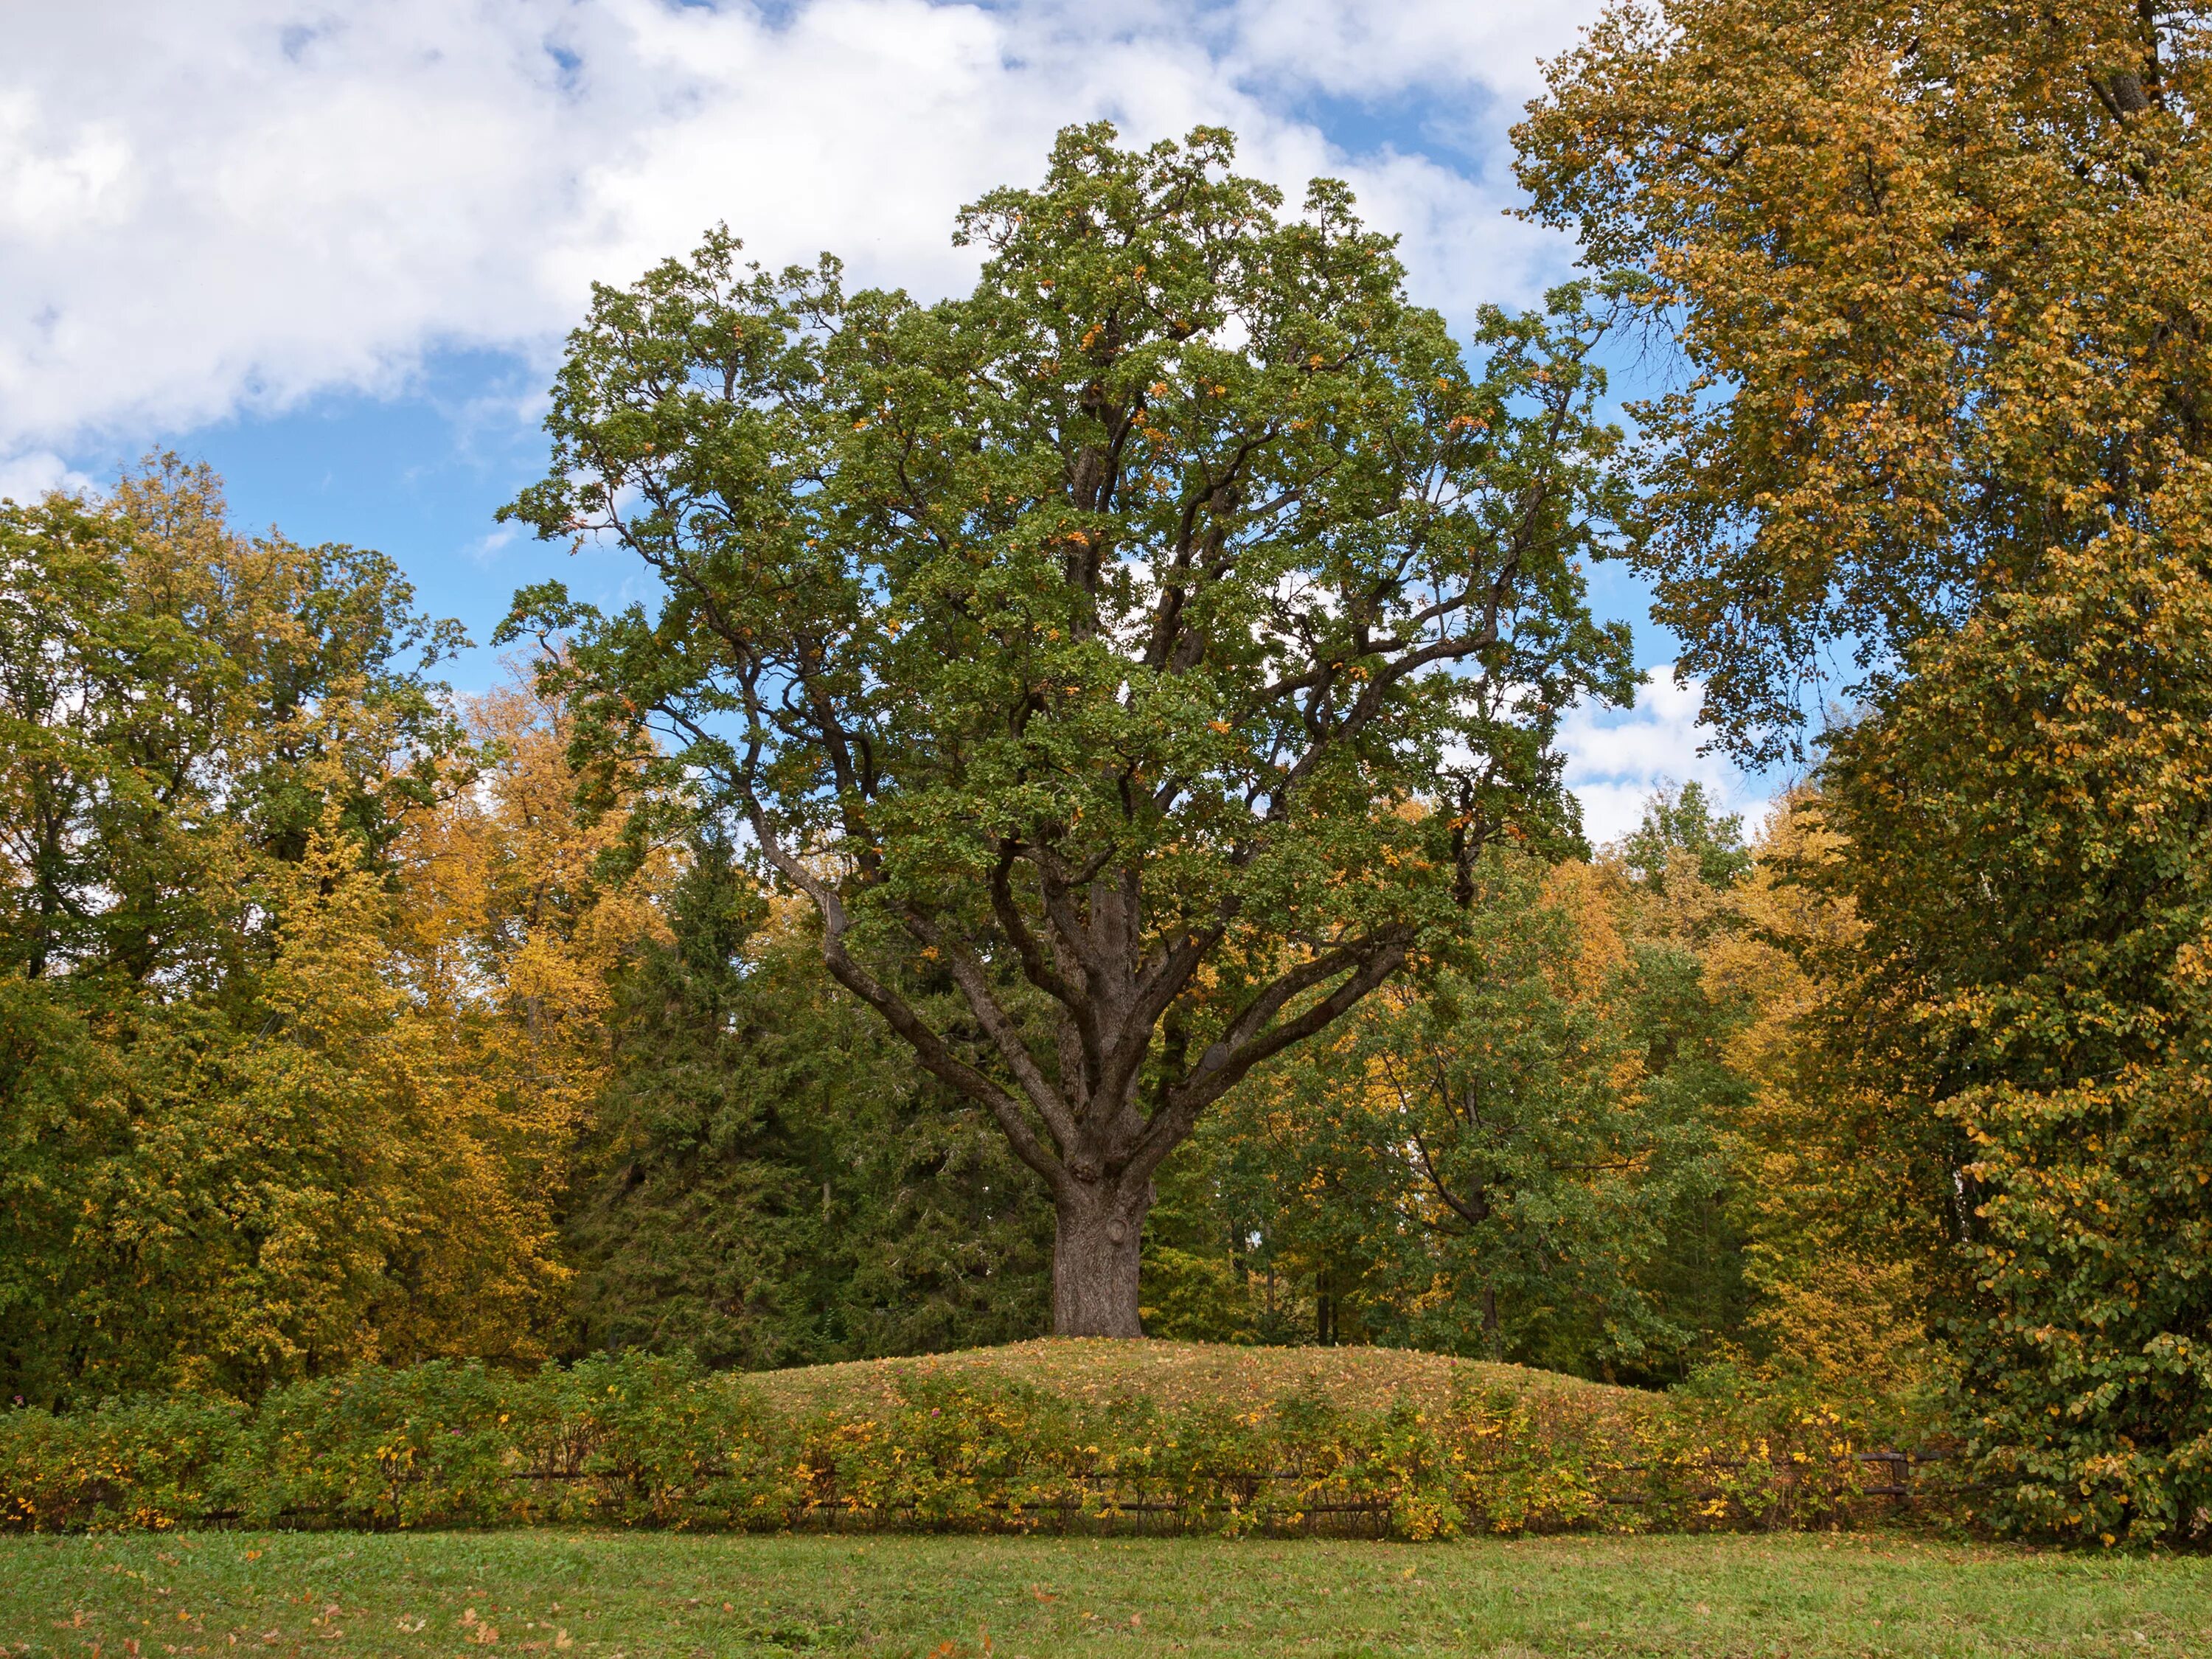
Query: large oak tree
point(1129, 655)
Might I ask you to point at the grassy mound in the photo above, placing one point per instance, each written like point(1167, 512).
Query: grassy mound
point(1175, 1376)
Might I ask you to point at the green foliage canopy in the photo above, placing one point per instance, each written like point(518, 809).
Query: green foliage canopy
point(1519, 1152)
point(768, 1181)
point(1084, 636)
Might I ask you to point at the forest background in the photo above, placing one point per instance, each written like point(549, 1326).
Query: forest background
point(342, 1025)
point(315, 1061)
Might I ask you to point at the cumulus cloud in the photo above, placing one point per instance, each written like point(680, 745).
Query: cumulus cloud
point(27, 477)
point(1618, 758)
point(1371, 50)
point(236, 204)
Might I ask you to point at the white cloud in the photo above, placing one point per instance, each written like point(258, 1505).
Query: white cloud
point(487, 548)
point(1617, 758)
point(234, 203)
point(1372, 49)
point(25, 477)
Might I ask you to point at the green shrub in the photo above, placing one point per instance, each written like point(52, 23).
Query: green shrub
point(649, 1440)
point(641, 1441)
point(429, 1444)
point(140, 1464)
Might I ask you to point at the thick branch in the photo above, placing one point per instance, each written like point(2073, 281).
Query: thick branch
point(936, 1055)
point(941, 1062)
point(999, 1025)
point(1222, 1067)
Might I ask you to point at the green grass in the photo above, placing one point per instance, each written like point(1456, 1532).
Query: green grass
point(640, 1597)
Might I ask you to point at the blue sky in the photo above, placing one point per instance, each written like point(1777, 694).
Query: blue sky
point(331, 248)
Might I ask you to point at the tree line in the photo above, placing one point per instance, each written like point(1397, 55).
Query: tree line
point(342, 1027)
point(1075, 839)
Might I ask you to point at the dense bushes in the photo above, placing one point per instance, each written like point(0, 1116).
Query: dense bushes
point(153, 1464)
point(656, 1442)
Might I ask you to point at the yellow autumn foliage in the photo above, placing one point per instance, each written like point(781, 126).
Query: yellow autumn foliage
point(503, 942)
point(1833, 1260)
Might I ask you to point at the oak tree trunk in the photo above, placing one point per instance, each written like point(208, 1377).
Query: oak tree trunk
point(1096, 1248)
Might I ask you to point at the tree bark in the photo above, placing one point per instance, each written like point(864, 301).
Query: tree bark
point(1096, 1248)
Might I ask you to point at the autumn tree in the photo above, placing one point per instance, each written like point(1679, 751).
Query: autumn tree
point(512, 915)
point(1140, 646)
point(1834, 1170)
point(1463, 1163)
point(2030, 825)
point(178, 699)
point(1938, 277)
point(1519, 1152)
point(302, 968)
point(207, 743)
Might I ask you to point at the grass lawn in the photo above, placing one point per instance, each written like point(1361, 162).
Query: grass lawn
point(636, 1596)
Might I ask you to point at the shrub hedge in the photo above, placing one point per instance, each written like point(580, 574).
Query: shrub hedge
point(651, 1442)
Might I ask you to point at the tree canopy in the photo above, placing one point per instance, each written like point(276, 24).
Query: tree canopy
point(1145, 642)
point(1939, 277)
point(1083, 765)
point(2029, 820)
point(305, 967)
